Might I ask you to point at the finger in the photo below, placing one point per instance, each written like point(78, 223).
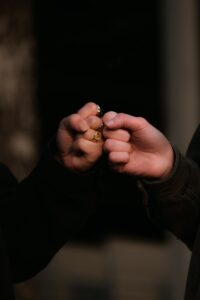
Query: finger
point(109, 115)
point(86, 154)
point(116, 146)
point(93, 136)
point(126, 121)
point(118, 134)
point(118, 158)
point(89, 109)
point(94, 122)
point(74, 123)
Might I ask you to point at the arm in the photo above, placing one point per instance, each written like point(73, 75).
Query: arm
point(174, 203)
point(171, 180)
point(38, 215)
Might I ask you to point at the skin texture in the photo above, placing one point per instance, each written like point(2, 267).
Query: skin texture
point(135, 147)
point(132, 144)
point(76, 150)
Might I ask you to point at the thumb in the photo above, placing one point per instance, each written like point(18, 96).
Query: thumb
point(109, 116)
point(125, 121)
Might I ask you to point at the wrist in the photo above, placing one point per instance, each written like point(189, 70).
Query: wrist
point(170, 159)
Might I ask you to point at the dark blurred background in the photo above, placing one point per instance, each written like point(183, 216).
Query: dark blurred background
point(109, 53)
point(102, 51)
point(139, 57)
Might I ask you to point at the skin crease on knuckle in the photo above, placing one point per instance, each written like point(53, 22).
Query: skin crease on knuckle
point(119, 134)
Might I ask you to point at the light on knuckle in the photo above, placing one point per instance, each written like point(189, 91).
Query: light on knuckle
point(120, 115)
point(142, 121)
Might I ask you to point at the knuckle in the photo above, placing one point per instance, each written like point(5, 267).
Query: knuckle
point(142, 121)
point(120, 115)
point(80, 143)
point(73, 118)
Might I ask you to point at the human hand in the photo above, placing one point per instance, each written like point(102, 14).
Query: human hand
point(135, 147)
point(77, 139)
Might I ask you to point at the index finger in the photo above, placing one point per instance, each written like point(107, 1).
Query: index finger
point(125, 121)
point(74, 122)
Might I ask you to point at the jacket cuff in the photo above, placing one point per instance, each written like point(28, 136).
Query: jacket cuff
point(172, 182)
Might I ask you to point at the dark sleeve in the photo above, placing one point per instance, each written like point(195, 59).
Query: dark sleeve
point(193, 151)
point(38, 215)
point(175, 202)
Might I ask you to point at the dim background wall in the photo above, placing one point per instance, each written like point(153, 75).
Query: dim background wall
point(143, 61)
point(181, 69)
point(18, 117)
point(181, 93)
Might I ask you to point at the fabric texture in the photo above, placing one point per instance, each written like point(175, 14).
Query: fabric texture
point(175, 205)
point(38, 216)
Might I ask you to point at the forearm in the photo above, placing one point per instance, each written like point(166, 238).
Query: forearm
point(175, 202)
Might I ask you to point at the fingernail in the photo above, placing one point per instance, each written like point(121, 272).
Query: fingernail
point(99, 111)
point(109, 122)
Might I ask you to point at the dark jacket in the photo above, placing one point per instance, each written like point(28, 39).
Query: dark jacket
point(175, 204)
point(37, 217)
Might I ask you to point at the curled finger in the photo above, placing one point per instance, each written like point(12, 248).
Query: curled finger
point(94, 136)
point(118, 134)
